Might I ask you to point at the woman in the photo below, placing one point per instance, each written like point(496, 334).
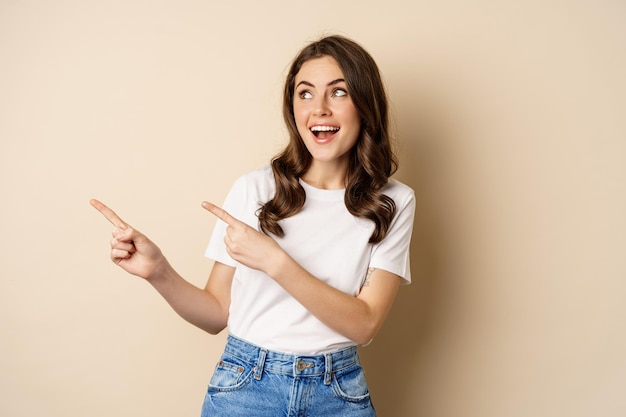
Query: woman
point(309, 252)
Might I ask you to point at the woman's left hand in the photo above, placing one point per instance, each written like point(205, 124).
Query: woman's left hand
point(245, 244)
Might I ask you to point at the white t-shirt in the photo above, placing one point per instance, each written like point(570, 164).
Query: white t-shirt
point(327, 241)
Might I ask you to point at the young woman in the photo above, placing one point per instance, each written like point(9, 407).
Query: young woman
point(309, 252)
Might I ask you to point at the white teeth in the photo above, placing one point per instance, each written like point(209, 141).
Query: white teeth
point(324, 129)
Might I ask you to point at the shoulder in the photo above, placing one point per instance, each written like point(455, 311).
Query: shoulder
point(401, 193)
point(248, 193)
point(258, 183)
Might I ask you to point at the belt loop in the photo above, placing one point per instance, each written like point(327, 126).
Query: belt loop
point(258, 369)
point(328, 371)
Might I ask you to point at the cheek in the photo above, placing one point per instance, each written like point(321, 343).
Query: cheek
point(301, 121)
point(353, 121)
point(349, 114)
point(298, 112)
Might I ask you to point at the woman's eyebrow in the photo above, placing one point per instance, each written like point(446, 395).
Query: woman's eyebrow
point(337, 81)
point(308, 84)
point(333, 82)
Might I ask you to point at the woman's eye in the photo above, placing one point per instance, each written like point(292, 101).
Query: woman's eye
point(339, 92)
point(305, 94)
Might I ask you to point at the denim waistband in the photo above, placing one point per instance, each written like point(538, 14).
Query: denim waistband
point(295, 365)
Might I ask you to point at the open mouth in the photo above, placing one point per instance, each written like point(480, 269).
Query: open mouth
point(323, 132)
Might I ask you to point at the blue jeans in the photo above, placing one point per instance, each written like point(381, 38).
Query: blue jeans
point(250, 381)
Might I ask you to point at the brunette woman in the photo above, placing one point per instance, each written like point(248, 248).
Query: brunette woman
point(309, 251)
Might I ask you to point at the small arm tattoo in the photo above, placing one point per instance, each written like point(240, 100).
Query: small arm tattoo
point(366, 283)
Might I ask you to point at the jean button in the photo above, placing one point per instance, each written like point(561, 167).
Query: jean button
point(300, 366)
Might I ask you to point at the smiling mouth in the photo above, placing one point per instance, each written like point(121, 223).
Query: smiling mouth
point(323, 132)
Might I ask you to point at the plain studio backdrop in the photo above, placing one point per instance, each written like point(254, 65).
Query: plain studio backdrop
point(510, 119)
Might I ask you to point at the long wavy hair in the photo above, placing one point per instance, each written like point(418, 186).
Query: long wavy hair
point(371, 160)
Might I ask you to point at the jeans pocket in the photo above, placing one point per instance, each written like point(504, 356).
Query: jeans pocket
point(230, 374)
point(350, 385)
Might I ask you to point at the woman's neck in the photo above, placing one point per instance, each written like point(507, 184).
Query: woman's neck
point(325, 176)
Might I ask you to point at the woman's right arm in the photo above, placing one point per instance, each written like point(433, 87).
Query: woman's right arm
point(204, 308)
point(132, 251)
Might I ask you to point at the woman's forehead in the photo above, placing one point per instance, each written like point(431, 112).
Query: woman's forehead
point(319, 70)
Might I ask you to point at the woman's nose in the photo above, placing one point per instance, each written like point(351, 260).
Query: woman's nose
point(322, 108)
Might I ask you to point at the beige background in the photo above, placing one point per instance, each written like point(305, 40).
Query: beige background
point(512, 130)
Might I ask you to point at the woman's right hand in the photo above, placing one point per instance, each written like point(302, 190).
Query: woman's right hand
point(130, 249)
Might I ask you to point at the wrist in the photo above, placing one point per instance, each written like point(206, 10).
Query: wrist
point(160, 273)
point(278, 264)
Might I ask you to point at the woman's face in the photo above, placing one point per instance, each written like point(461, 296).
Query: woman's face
point(325, 115)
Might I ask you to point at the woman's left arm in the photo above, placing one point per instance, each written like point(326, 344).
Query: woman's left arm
point(358, 318)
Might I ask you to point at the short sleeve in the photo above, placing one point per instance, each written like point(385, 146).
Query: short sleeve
point(392, 253)
point(243, 200)
point(235, 200)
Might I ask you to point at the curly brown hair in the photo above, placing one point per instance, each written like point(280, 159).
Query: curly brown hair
point(371, 160)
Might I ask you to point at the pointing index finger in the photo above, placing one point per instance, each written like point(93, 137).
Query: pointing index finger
point(221, 213)
point(109, 214)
